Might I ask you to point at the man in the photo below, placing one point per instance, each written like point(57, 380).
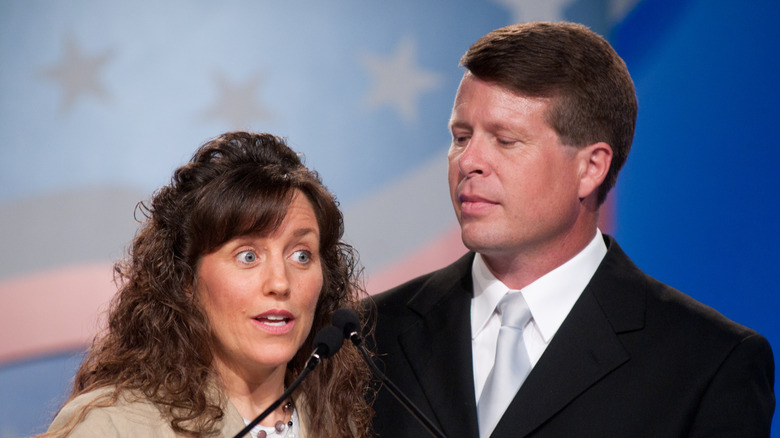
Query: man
point(542, 122)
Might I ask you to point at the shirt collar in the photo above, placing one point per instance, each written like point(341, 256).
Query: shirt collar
point(488, 291)
point(550, 297)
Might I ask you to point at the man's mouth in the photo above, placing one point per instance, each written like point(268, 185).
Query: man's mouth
point(474, 204)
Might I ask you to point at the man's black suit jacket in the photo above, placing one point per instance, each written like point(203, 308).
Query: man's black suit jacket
point(634, 358)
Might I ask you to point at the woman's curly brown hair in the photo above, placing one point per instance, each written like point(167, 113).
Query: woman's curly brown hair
point(158, 339)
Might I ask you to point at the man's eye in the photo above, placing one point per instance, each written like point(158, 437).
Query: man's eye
point(247, 256)
point(460, 140)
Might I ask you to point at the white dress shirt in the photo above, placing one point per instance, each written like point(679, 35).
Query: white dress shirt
point(550, 299)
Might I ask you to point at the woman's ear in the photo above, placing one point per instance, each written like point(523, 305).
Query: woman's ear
point(595, 160)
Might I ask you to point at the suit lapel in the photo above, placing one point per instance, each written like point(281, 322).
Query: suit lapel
point(584, 350)
point(438, 348)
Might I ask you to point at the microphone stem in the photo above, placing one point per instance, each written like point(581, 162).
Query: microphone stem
point(400, 396)
point(314, 359)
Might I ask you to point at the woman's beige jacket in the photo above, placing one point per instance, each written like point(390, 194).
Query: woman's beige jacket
point(136, 417)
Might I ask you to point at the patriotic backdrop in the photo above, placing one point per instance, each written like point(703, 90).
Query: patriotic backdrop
point(101, 100)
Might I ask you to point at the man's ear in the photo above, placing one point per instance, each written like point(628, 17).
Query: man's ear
point(595, 160)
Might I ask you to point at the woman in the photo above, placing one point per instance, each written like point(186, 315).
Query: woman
point(238, 263)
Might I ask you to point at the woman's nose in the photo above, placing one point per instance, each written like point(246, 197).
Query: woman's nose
point(277, 281)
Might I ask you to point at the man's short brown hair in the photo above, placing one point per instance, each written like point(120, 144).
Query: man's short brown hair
point(592, 92)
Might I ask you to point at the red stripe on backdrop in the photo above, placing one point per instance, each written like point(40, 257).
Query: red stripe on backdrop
point(53, 311)
point(437, 254)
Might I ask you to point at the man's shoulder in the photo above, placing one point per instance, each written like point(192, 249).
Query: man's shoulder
point(663, 303)
point(693, 315)
point(455, 273)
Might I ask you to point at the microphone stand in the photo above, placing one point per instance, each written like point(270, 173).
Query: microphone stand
point(310, 364)
point(394, 390)
point(328, 341)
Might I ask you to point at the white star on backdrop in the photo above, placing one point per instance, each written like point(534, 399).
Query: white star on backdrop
point(78, 74)
point(398, 81)
point(237, 103)
point(535, 10)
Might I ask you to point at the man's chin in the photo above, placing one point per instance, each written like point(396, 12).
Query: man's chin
point(477, 241)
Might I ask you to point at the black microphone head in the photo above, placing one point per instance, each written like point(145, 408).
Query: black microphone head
point(347, 321)
point(327, 341)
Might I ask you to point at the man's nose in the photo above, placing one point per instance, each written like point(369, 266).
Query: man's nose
point(472, 159)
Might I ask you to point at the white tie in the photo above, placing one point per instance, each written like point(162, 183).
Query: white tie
point(511, 366)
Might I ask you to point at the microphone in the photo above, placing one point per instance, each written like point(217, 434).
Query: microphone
point(327, 342)
point(349, 323)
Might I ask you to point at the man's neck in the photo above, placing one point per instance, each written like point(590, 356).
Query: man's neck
point(521, 268)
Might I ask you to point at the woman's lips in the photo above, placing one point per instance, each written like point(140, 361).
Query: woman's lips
point(275, 321)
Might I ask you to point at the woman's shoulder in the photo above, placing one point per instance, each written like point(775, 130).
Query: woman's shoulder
point(97, 414)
